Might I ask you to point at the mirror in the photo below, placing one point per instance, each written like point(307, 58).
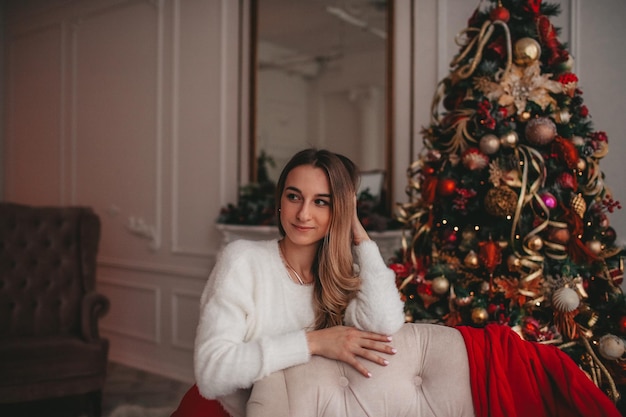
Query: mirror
point(320, 77)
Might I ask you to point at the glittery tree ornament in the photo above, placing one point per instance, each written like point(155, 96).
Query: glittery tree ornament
point(501, 201)
point(540, 131)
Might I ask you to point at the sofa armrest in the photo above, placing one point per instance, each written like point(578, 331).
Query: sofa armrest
point(429, 376)
point(94, 306)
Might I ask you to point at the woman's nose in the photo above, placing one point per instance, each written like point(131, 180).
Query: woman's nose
point(304, 213)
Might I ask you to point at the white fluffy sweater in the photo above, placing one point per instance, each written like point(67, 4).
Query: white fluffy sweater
point(253, 317)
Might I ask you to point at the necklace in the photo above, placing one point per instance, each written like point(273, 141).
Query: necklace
point(291, 268)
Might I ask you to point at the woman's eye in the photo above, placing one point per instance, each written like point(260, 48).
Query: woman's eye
point(321, 202)
point(292, 197)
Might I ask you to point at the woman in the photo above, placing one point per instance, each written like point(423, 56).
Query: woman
point(321, 289)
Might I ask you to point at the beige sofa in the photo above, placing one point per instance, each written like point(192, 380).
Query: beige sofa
point(428, 376)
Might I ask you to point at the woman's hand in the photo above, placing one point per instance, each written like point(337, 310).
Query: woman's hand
point(359, 234)
point(347, 343)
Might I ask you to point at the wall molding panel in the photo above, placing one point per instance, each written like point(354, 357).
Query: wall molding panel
point(152, 268)
point(180, 299)
point(119, 290)
point(22, 44)
point(78, 26)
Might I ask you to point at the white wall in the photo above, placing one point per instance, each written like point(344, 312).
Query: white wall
point(132, 107)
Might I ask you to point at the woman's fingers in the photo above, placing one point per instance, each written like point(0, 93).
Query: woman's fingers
point(347, 344)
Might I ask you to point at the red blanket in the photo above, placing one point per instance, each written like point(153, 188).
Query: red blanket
point(511, 377)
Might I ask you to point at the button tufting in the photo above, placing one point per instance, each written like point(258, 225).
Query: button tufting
point(343, 381)
point(418, 381)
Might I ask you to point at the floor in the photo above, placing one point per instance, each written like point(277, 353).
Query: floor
point(129, 388)
point(128, 392)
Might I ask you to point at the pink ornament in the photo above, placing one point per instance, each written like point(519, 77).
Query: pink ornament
point(549, 200)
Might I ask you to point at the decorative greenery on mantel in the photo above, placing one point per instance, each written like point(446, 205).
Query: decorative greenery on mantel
point(255, 205)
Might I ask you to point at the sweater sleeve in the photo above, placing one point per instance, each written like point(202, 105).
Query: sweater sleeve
point(377, 307)
point(228, 354)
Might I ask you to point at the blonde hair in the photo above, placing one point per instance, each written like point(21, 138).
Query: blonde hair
point(335, 281)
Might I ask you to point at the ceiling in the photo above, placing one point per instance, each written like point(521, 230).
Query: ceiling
point(323, 28)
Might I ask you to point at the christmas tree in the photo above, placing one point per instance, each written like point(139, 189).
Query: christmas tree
point(508, 213)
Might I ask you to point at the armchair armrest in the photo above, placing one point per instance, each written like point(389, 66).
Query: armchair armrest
point(94, 306)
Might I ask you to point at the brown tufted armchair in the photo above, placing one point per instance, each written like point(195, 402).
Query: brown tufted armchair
point(49, 343)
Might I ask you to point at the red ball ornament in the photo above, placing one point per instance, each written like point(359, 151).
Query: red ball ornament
point(446, 187)
point(428, 170)
point(622, 325)
point(500, 13)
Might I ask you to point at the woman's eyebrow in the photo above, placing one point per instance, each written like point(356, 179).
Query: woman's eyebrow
point(296, 189)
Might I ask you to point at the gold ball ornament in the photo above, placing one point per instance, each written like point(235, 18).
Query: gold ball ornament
point(581, 164)
point(501, 201)
point(540, 131)
point(479, 315)
point(611, 347)
point(509, 140)
point(468, 235)
point(595, 246)
point(535, 243)
point(471, 260)
point(489, 144)
point(524, 116)
point(440, 285)
point(526, 51)
point(514, 263)
point(408, 317)
point(565, 300)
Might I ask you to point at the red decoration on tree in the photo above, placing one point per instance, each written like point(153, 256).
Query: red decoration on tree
point(490, 255)
point(566, 151)
point(446, 187)
point(622, 325)
point(500, 13)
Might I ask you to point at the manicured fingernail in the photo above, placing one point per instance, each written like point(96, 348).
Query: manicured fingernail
point(369, 375)
point(386, 362)
point(394, 350)
point(389, 338)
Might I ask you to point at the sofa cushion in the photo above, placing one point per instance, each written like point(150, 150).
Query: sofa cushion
point(428, 376)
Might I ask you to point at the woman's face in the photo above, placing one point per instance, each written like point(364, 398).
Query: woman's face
point(305, 205)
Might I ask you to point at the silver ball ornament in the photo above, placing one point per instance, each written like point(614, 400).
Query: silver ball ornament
point(489, 144)
point(611, 347)
point(565, 300)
